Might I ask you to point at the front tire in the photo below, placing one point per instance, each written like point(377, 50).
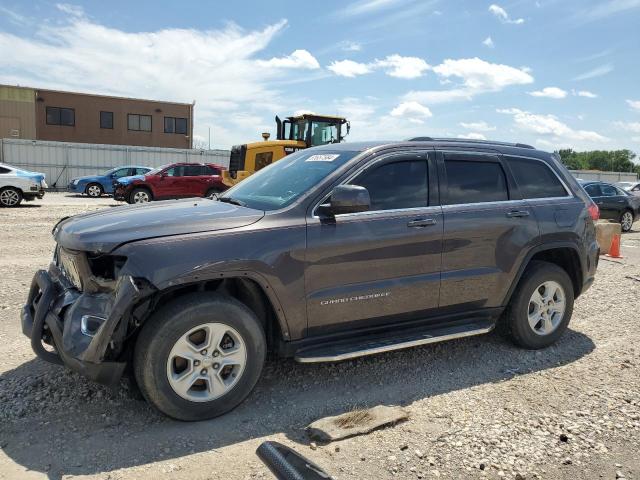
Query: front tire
point(94, 190)
point(626, 220)
point(140, 195)
point(541, 307)
point(199, 356)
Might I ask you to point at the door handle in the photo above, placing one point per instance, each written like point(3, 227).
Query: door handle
point(421, 222)
point(517, 213)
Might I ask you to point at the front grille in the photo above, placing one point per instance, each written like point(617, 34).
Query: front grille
point(237, 157)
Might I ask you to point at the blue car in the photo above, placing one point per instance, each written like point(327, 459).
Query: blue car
point(96, 185)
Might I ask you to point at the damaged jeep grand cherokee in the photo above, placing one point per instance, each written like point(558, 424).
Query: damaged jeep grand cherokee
point(331, 253)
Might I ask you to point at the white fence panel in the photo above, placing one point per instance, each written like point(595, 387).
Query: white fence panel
point(62, 161)
point(609, 177)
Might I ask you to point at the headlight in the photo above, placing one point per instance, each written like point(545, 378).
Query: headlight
point(76, 181)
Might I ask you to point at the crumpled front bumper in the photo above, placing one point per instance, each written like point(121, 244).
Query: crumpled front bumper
point(53, 314)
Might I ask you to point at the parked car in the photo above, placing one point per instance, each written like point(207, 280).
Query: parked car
point(177, 180)
point(17, 185)
point(614, 203)
point(331, 253)
point(632, 187)
point(97, 185)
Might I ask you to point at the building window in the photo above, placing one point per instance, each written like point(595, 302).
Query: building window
point(175, 125)
point(141, 123)
point(61, 116)
point(106, 119)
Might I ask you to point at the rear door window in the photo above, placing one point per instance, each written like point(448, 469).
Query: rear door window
point(475, 181)
point(397, 184)
point(608, 190)
point(193, 170)
point(535, 179)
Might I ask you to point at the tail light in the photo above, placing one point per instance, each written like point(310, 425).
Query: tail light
point(594, 211)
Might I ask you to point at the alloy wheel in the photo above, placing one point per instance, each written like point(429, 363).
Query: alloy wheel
point(546, 308)
point(94, 191)
point(141, 197)
point(206, 362)
point(9, 197)
point(627, 221)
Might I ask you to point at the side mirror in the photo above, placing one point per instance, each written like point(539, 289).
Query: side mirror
point(348, 199)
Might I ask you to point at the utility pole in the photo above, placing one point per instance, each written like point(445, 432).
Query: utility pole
point(209, 138)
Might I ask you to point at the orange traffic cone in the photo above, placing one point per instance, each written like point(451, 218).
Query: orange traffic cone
point(614, 250)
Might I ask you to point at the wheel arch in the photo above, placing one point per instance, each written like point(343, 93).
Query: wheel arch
point(15, 187)
point(564, 254)
point(248, 288)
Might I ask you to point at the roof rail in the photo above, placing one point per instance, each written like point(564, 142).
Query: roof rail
point(470, 140)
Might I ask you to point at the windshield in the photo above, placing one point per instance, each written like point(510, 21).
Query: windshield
point(322, 133)
point(284, 181)
point(157, 169)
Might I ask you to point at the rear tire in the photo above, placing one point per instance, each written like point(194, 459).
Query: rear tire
point(541, 307)
point(626, 220)
point(94, 190)
point(177, 378)
point(10, 197)
point(140, 195)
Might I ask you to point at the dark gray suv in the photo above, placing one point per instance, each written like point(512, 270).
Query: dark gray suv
point(328, 254)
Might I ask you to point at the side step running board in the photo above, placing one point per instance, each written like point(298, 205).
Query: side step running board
point(385, 342)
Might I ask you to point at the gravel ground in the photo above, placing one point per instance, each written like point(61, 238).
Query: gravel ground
point(479, 407)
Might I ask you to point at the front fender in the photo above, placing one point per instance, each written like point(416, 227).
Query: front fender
point(273, 258)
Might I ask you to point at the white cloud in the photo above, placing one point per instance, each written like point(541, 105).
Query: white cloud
point(478, 126)
point(550, 125)
point(504, 17)
point(584, 93)
point(412, 110)
point(605, 9)
point(488, 42)
point(73, 10)
point(472, 136)
point(298, 59)
point(596, 72)
point(479, 74)
point(549, 92)
point(349, 68)
point(393, 65)
point(476, 76)
point(633, 127)
point(635, 104)
point(217, 68)
point(348, 46)
point(367, 6)
point(403, 67)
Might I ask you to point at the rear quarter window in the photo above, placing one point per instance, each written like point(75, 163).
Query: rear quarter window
point(535, 179)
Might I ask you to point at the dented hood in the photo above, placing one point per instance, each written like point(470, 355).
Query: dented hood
point(105, 230)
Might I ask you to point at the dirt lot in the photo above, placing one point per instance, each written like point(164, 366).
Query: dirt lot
point(479, 408)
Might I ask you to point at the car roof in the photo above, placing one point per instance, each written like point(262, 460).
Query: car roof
point(429, 142)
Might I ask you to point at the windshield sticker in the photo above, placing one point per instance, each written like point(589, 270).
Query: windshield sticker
point(323, 158)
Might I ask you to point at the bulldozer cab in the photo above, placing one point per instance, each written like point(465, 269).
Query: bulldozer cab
point(293, 134)
point(313, 129)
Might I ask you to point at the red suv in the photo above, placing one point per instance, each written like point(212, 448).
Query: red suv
point(177, 180)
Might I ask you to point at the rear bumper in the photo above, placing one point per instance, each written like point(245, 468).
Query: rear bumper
point(53, 315)
point(33, 195)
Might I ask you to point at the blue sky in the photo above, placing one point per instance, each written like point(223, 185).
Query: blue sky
point(552, 73)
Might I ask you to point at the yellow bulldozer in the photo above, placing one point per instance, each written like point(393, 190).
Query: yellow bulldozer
point(292, 134)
